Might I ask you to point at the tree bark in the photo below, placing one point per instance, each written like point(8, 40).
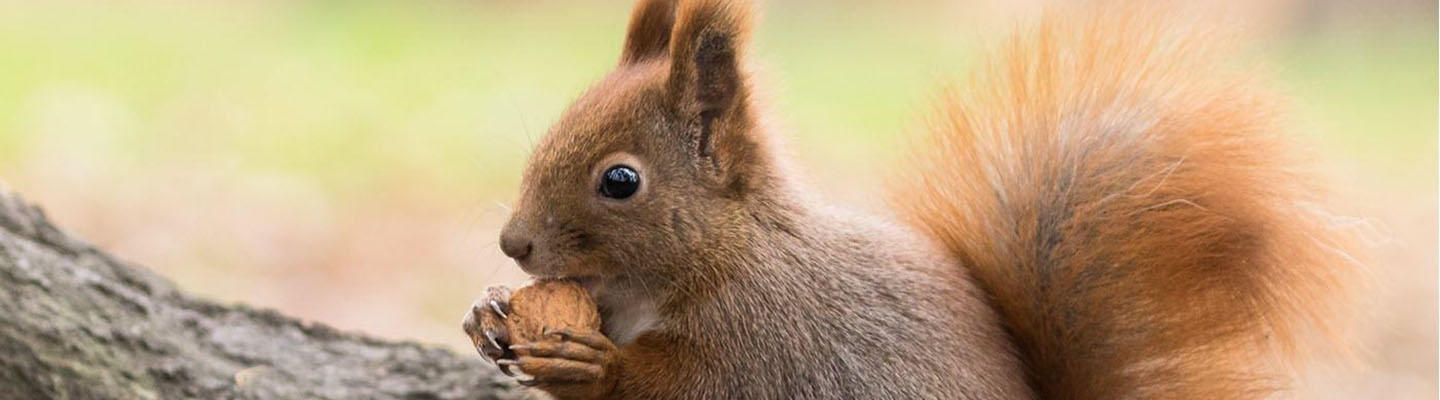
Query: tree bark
point(77, 323)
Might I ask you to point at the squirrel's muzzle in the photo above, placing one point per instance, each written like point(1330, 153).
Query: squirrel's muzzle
point(515, 244)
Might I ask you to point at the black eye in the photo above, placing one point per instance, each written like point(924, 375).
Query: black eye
point(619, 182)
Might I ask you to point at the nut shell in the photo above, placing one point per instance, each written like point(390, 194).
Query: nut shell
point(550, 305)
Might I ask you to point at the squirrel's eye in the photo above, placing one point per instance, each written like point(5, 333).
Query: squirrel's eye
point(619, 182)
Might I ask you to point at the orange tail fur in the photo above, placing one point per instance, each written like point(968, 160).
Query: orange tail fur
point(1132, 210)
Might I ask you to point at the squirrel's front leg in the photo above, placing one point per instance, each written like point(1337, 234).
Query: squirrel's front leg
point(569, 365)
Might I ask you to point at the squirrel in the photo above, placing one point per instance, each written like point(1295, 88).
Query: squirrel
point(1107, 211)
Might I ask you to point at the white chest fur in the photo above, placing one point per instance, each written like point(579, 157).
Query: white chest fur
point(627, 317)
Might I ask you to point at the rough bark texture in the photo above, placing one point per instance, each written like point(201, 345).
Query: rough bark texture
point(77, 323)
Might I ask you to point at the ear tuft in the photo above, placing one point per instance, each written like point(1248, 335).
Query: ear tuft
point(649, 33)
point(707, 43)
point(707, 85)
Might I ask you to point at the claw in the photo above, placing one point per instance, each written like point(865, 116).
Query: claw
point(562, 334)
point(527, 382)
point(499, 310)
point(505, 365)
point(490, 336)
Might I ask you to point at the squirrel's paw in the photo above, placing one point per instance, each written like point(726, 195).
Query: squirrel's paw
point(485, 324)
point(567, 364)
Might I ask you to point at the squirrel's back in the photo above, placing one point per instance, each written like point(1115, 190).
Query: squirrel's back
point(1131, 208)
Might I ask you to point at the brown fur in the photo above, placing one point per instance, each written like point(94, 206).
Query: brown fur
point(1101, 197)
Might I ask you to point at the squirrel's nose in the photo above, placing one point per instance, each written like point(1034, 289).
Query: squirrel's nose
point(515, 246)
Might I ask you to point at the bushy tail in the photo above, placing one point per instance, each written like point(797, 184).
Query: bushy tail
point(1127, 202)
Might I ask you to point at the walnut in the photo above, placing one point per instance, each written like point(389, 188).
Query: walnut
point(550, 305)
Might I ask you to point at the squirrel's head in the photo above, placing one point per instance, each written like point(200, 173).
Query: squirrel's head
point(660, 157)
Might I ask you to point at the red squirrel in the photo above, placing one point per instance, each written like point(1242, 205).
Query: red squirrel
point(1105, 212)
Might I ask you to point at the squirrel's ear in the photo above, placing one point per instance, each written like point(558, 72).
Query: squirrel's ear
point(649, 32)
point(706, 80)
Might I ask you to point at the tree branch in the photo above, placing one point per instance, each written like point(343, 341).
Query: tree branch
point(77, 323)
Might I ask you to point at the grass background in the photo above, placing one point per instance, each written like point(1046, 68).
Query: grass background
point(347, 161)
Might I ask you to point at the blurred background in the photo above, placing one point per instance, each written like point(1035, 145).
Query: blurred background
point(349, 161)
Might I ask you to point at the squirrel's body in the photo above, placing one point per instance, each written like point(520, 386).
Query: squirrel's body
point(876, 292)
point(1106, 214)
